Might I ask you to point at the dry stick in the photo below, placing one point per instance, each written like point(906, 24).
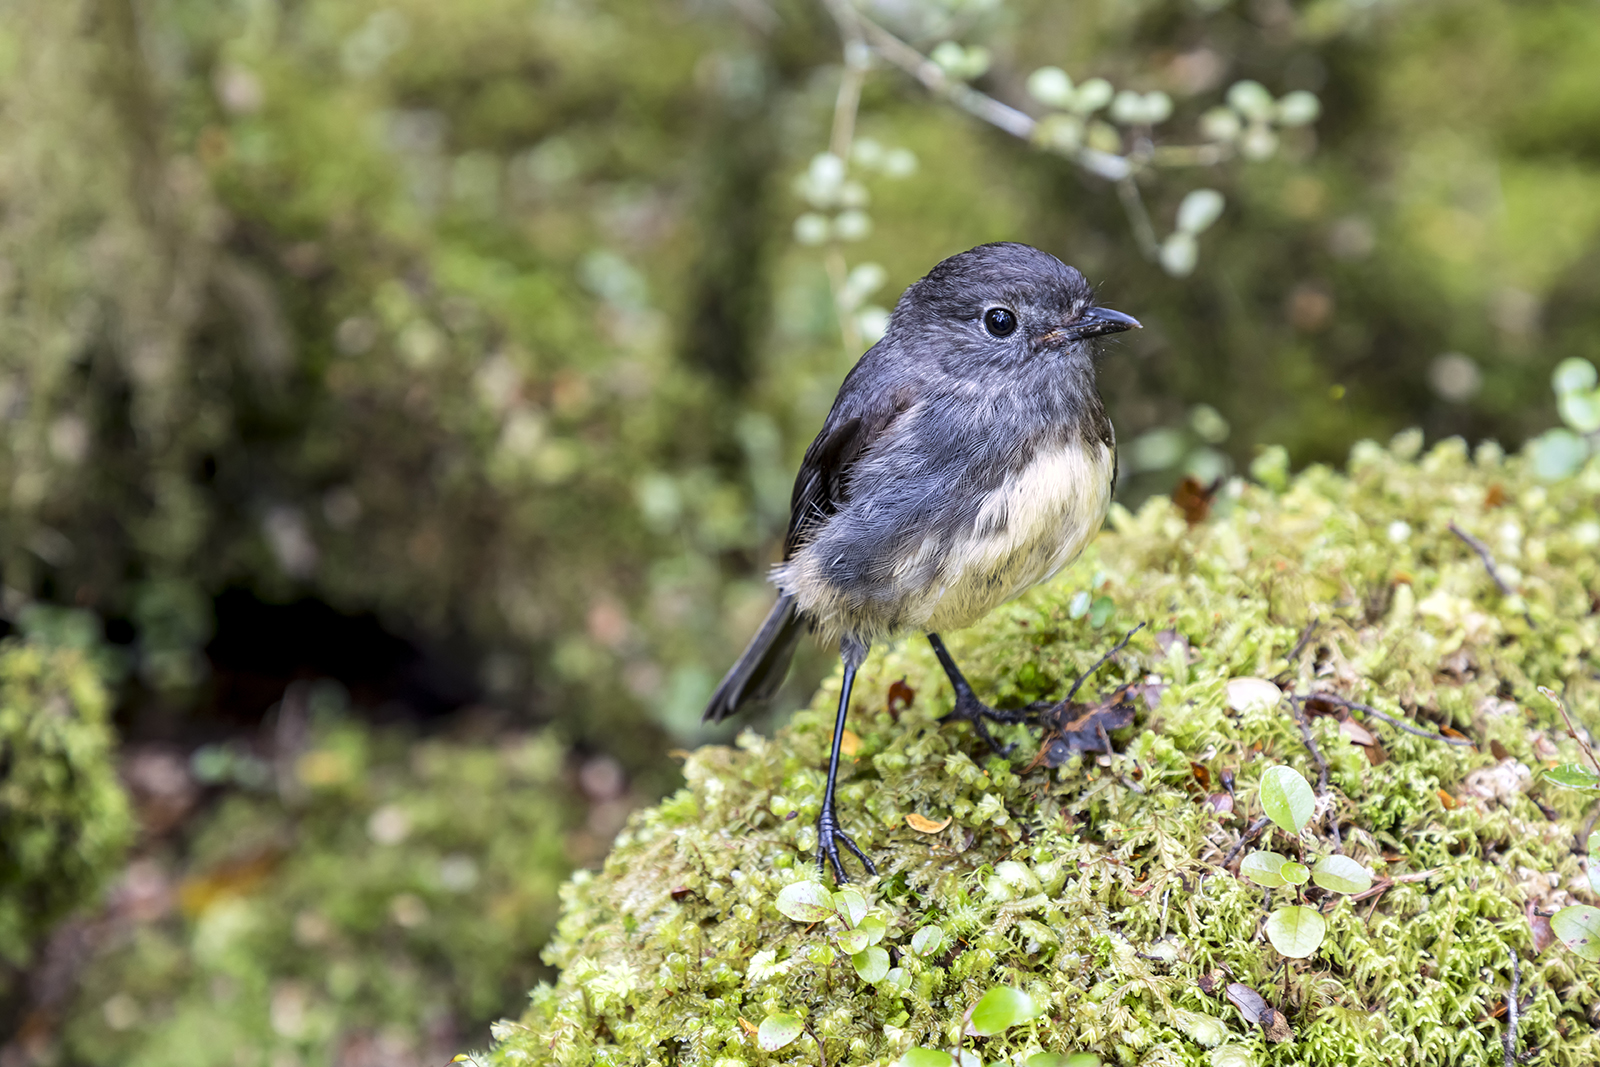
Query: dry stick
point(1356, 705)
point(1581, 843)
point(1572, 731)
point(1488, 564)
point(1296, 705)
point(1249, 835)
point(1510, 1036)
point(1305, 639)
point(1101, 662)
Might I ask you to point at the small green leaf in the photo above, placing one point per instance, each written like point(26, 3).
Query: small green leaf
point(805, 902)
point(850, 904)
point(1264, 869)
point(777, 1031)
point(1002, 1008)
point(1100, 611)
point(1578, 927)
point(1231, 1056)
point(853, 941)
point(823, 955)
point(1296, 932)
point(872, 965)
point(1574, 375)
point(1294, 872)
point(927, 941)
point(1573, 776)
point(1341, 874)
point(1078, 606)
point(873, 927)
point(1061, 1059)
point(924, 1057)
point(1286, 798)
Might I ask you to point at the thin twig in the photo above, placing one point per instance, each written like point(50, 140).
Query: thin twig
point(1581, 843)
point(1305, 639)
point(1101, 662)
point(1572, 731)
point(1488, 564)
point(1389, 883)
point(1510, 1036)
point(1296, 705)
point(1248, 836)
point(933, 77)
point(1356, 705)
point(1483, 553)
point(1133, 204)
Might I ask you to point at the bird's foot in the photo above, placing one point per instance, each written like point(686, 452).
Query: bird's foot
point(828, 837)
point(970, 709)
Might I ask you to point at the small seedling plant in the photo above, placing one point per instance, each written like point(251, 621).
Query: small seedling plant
point(858, 933)
point(1577, 926)
point(1297, 930)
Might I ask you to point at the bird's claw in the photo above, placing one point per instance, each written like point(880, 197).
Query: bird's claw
point(972, 710)
point(828, 837)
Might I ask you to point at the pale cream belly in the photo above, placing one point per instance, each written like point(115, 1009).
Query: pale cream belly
point(1025, 532)
point(1035, 525)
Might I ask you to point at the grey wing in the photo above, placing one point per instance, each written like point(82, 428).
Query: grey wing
point(857, 420)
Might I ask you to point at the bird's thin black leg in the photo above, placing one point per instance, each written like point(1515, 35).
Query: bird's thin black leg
point(968, 707)
point(828, 833)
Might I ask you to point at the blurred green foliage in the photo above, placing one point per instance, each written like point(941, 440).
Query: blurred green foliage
point(490, 316)
point(64, 818)
point(380, 902)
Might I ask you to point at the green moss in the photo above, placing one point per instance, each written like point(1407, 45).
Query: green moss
point(64, 819)
point(1098, 887)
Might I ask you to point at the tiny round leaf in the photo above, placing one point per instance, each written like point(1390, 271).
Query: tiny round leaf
point(1264, 869)
point(1578, 927)
point(927, 940)
point(1199, 209)
point(1296, 932)
point(1341, 874)
point(872, 965)
point(1574, 776)
point(924, 1057)
point(777, 1031)
point(1295, 873)
point(1002, 1008)
point(805, 902)
point(1286, 798)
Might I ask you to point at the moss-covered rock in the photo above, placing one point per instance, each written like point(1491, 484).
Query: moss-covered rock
point(1099, 887)
point(64, 819)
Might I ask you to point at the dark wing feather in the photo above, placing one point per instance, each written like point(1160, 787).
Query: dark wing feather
point(822, 486)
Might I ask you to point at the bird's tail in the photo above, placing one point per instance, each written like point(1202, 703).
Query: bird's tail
point(761, 669)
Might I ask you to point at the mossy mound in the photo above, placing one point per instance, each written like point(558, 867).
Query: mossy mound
point(1097, 887)
point(64, 818)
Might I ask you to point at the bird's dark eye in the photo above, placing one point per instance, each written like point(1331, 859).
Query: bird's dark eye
point(1001, 322)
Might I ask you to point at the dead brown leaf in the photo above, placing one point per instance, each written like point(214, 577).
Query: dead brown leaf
point(926, 826)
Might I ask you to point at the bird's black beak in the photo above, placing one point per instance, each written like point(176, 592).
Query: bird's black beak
point(1097, 321)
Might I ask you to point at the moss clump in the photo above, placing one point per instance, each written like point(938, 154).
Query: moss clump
point(378, 904)
point(1097, 887)
point(64, 819)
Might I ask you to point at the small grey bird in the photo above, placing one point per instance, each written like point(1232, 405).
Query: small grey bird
point(967, 458)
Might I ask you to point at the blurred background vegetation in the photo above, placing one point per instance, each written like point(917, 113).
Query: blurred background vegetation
point(401, 400)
